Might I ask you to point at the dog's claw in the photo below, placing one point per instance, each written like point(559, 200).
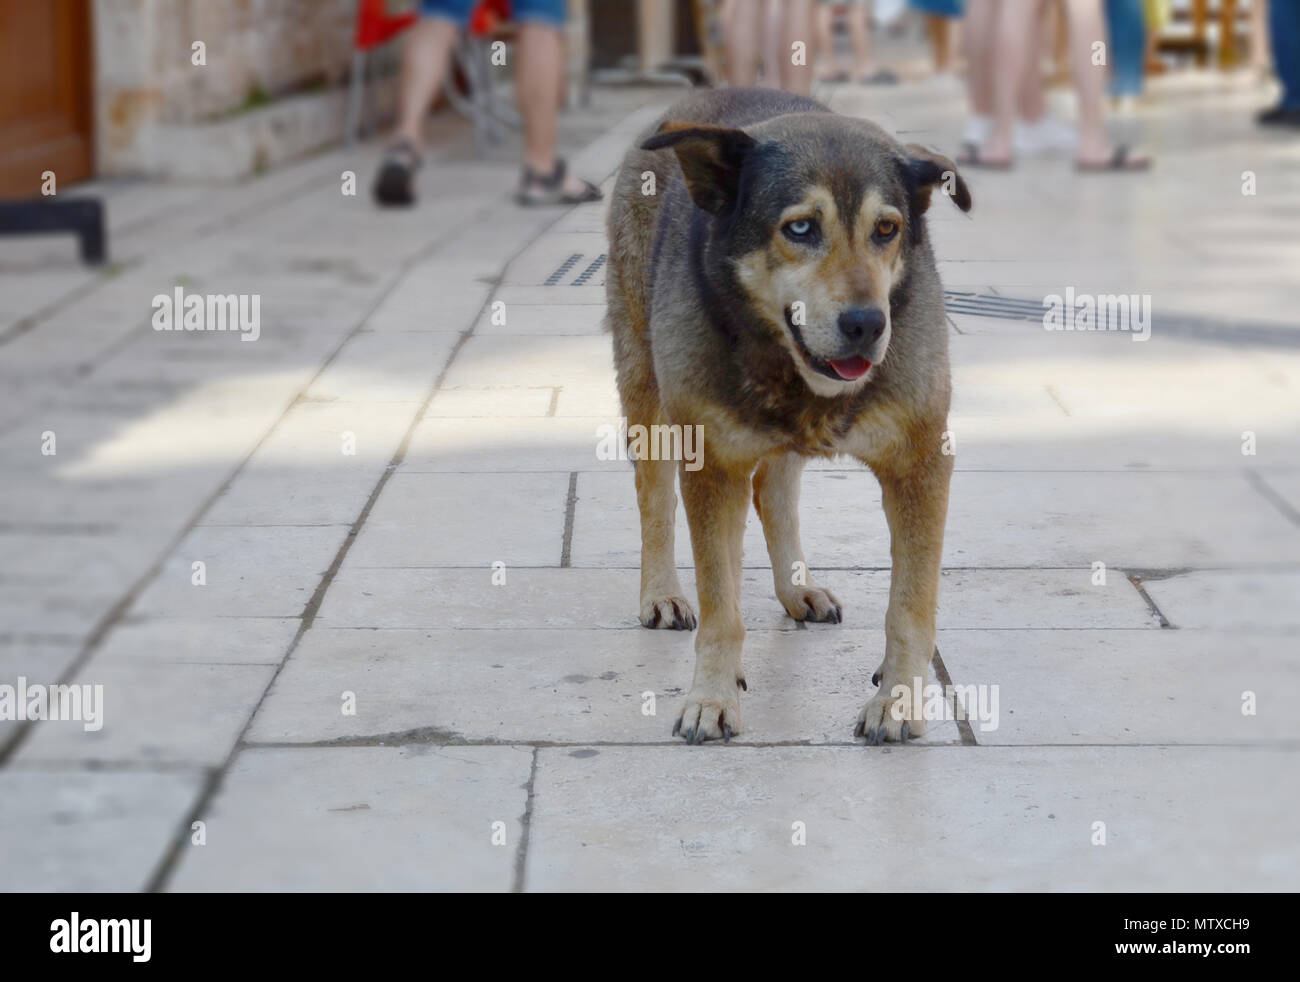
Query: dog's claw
point(677, 727)
point(907, 732)
point(743, 686)
point(726, 732)
point(875, 679)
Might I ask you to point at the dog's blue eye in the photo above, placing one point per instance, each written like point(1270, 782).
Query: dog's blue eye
point(800, 228)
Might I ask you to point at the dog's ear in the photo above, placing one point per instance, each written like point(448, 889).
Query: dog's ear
point(711, 158)
point(929, 168)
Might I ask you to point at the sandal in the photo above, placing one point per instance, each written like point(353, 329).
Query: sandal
point(540, 190)
point(395, 184)
point(1119, 161)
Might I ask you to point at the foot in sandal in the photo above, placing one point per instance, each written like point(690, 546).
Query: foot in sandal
point(556, 188)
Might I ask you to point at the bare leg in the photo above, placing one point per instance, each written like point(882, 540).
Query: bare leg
point(1015, 20)
point(1087, 26)
point(1259, 45)
point(742, 31)
point(830, 67)
point(860, 32)
point(981, 32)
point(1032, 103)
point(797, 26)
point(538, 80)
point(424, 64)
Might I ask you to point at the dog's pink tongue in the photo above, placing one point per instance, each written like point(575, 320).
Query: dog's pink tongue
point(851, 368)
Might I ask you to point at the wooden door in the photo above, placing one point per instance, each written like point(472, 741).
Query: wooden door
point(45, 90)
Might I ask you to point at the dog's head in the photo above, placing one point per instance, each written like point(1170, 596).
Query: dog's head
point(818, 216)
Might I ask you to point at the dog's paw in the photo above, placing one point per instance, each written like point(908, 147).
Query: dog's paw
point(811, 603)
point(709, 716)
point(887, 719)
point(668, 614)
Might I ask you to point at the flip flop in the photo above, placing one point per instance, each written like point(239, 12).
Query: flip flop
point(539, 190)
point(974, 157)
point(1119, 161)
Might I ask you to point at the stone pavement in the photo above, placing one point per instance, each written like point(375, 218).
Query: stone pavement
point(349, 701)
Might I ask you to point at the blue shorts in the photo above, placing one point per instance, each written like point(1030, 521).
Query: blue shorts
point(550, 12)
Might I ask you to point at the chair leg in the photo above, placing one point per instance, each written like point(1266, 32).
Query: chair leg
point(356, 88)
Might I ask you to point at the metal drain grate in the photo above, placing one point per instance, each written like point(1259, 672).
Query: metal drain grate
point(563, 269)
point(1020, 309)
point(1176, 325)
point(582, 279)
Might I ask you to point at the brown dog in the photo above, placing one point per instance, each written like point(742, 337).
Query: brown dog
point(771, 282)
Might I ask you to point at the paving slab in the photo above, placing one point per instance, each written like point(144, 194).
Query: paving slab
point(491, 403)
point(995, 519)
point(565, 686)
point(69, 831)
point(1261, 602)
point(382, 367)
point(530, 361)
point(552, 599)
point(414, 818)
point(1130, 687)
point(156, 714)
point(465, 520)
point(950, 819)
point(521, 443)
point(250, 572)
point(542, 319)
point(318, 467)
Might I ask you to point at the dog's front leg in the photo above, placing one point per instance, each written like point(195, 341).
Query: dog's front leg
point(717, 501)
point(916, 506)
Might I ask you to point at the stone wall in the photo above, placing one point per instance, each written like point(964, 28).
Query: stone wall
point(270, 65)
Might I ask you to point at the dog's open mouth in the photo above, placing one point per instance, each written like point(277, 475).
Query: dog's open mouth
point(840, 369)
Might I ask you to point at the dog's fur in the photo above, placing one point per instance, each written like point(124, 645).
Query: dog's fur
point(705, 276)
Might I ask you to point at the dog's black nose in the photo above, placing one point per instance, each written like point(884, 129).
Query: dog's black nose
point(862, 323)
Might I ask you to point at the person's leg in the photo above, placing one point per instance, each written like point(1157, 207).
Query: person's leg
point(796, 25)
point(1032, 103)
point(539, 70)
point(741, 27)
point(1087, 27)
point(425, 53)
point(941, 41)
point(424, 64)
point(541, 63)
point(1284, 23)
point(860, 33)
point(1010, 50)
point(828, 64)
point(980, 25)
point(1259, 45)
point(1127, 46)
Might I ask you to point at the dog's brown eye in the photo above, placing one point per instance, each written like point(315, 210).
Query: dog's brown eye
point(885, 229)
